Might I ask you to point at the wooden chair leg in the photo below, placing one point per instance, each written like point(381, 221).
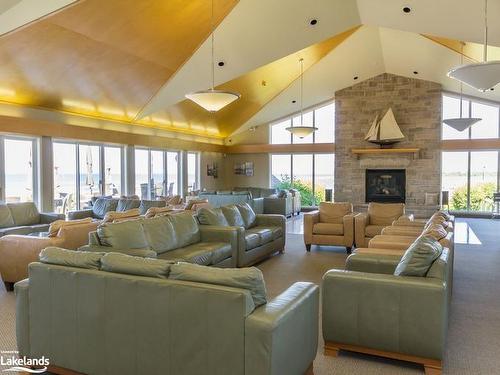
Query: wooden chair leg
point(432, 370)
point(331, 351)
point(308, 247)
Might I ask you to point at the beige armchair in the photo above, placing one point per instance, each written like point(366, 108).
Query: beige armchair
point(18, 251)
point(332, 225)
point(371, 223)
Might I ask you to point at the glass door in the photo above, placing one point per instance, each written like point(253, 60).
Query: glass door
point(112, 171)
point(65, 177)
point(157, 183)
point(90, 179)
point(20, 171)
point(172, 173)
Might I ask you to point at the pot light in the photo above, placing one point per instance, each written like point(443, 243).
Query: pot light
point(481, 76)
point(213, 100)
point(301, 130)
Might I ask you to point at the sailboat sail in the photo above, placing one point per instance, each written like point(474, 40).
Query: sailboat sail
point(385, 130)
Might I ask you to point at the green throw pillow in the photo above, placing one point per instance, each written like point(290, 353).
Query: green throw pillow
point(249, 278)
point(419, 257)
point(212, 216)
point(233, 216)
point(247, 214)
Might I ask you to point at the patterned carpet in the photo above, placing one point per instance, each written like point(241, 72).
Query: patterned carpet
point(473, 337)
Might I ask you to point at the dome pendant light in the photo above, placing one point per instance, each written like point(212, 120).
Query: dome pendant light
point(301, 130)
point(460, 124)
point(481, 76)
point(213, 100)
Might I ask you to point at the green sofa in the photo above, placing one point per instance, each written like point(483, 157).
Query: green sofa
point(224, 197)
point(24, 218)
point(258, 235)
point(368, 309)
point(93, 321)
point(176, 237)
point(103, 205)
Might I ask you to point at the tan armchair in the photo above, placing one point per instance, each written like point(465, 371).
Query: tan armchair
point(332, 225)
point(371, 223)
point(17, 251)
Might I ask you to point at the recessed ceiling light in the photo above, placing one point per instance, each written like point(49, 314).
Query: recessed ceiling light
point(355, 77)
point(313, 22)
point(294, 101)
point(406, 9)
point(415, 72)
point(221, 63)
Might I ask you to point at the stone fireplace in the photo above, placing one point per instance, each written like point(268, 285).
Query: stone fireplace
point(385, 185)
point(417, 109)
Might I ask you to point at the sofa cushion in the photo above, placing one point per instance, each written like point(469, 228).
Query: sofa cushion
point(436, 231)
point(277, 232)
point(123, 235)
point(71, 258)
point(145, 205)
point(328, 229)
point(233, 216)
point(6, 219)
point(252, 240)
point(103, 205)
point(419, 257)
point(385, 213)
point(186, 228)
point(115, 216)
point(373, 230)
point(333, 212)
point(58, 224)
point(212, 216)
point(24, 213)
point(250, 278)
point(205, 253)
point(157, 211)
point(140, 266)
point(127, 204)
point(265, 234)
point(160, 234)
point(247, 213)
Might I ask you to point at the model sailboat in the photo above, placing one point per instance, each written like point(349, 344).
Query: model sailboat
point(385, 131)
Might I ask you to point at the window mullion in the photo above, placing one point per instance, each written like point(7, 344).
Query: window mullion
point(77, 150)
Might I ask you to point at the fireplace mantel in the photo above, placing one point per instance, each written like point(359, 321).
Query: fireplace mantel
point(384, 151)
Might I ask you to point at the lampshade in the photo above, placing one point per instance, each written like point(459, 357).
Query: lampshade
point(213, 100)
point(301, 131)
point(461, 124)
point(481, 76)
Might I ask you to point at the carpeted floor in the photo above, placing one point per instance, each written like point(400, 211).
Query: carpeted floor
point(474, 333)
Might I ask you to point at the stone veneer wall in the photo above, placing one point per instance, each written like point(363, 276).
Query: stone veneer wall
point(417, 108)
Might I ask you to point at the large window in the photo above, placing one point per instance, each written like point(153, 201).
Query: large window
point(322, 117)
point(18, 173)
point(311, 174)
point(489, 114)
point(193, 171)
point(156, 173)
point(83, 171)
point(471, 178)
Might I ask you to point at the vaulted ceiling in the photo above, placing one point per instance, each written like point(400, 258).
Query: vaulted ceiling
point(132, 61)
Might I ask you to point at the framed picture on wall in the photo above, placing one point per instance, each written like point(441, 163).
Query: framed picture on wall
point(244, 169)
point(212, 170)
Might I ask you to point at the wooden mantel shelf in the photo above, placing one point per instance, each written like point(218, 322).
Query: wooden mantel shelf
point(384, 151)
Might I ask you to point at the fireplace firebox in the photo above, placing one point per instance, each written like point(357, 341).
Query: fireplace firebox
point(385, 185)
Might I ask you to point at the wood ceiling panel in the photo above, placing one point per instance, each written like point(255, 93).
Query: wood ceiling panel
point(473, 51)
point(257, 88)
point(103, 58)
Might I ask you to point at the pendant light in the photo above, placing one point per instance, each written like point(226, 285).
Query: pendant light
point(481, 76)
point(460, 124)
point(301, 130)
point(213, 100)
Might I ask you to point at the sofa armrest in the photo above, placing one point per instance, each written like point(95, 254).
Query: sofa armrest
point(49, 217)
point(258, 205)
point(213, 233)
point(21, 290)
point(372, 263)
point(348, 221)
point(360, 223)
point(275, 206)
point(281, 337)
point(145, 253)
point(310, 218)
point(82, 214)
point(372, 303)
point(271, 220)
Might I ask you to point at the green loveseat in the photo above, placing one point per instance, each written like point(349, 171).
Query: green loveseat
point(173, 237)
point(259, 235)
point(367, 309)
point(24, 218)
point(118, 318)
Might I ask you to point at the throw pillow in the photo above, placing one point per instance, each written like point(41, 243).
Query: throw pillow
point(123, 235)
point(247, 213)
point(233, 216)
point(419, 257)
point(212, 216)
point(58, 224)
point(249, 278)
point(71, 258)
point(122, 263)
point(436, 231)
point(113, 216)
